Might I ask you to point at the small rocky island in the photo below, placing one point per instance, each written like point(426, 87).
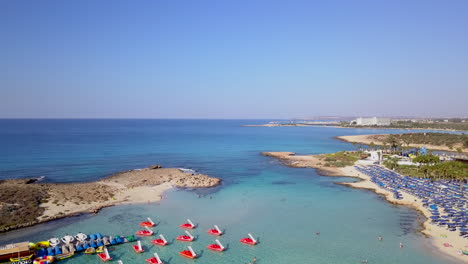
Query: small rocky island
point(26, 202)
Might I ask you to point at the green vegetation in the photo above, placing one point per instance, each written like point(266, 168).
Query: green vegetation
point(342, 158)
point(19, 203)
point(391, 163)
point(431, 167)
point(396, 142)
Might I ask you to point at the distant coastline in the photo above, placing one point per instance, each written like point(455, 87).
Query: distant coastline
point(336, 124)
point(34, 202)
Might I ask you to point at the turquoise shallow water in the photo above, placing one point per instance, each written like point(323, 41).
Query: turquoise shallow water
point(283, 206)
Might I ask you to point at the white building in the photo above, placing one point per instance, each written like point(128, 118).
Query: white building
point(371, 121)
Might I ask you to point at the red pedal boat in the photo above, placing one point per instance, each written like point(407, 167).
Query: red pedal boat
point(147, 232)
point(215, 231)
point(138, 248)
point(216, 247)
point(186, 238)
point(188, 225)
point(188, 253)
point(104, 256)
point(249, 240)
point(154, 260)
point(160, 241)
point(149, 223)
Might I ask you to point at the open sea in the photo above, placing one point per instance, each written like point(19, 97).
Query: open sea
point(284, 207)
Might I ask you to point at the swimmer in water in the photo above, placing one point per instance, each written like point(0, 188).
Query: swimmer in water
point(401, 245)
point(380, 238)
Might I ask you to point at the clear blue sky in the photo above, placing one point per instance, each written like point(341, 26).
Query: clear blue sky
point(233, 59)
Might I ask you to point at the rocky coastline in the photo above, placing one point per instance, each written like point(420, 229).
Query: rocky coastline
point(27, 202)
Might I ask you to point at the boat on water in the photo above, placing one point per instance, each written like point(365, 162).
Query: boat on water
point(249, 240)
point(64, 255)
point(67, 239)
point(81, 237)
point(188, 225)
point(216, 247)
point(186, 238)
point(44, 260)
point(138, 248)
point(90, 250)
point(147, 232)
point(54, 241)
point(160, 241)
point(190, 253)
point(148, 223)
point(154, 260)
point(215, 231)
point(100, 249)
point(42, 244)
point(104, 256)
point(25, 258)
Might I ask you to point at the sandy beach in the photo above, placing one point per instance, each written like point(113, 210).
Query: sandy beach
point(34, 202)
point(438, 235)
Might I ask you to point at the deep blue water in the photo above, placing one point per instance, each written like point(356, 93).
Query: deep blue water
point(283, 206)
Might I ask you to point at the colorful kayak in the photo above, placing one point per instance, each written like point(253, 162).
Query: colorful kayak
point(90, 250)
point(42, 244)
point(21, 258)
point(64, 256)
point(44, 260)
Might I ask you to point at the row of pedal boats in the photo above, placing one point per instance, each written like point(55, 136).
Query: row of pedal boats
point(96, 243)
point(80, 242)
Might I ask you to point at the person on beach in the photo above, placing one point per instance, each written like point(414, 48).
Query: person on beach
point(380, 238)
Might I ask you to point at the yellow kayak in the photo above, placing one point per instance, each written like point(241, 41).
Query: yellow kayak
point(42, 244)
point(21, 258)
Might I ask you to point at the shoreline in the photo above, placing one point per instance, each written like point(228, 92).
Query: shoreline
point(437, 235)
point(45, 202)
point(332, 125)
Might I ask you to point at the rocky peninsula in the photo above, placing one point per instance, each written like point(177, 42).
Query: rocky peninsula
point(26, 202)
